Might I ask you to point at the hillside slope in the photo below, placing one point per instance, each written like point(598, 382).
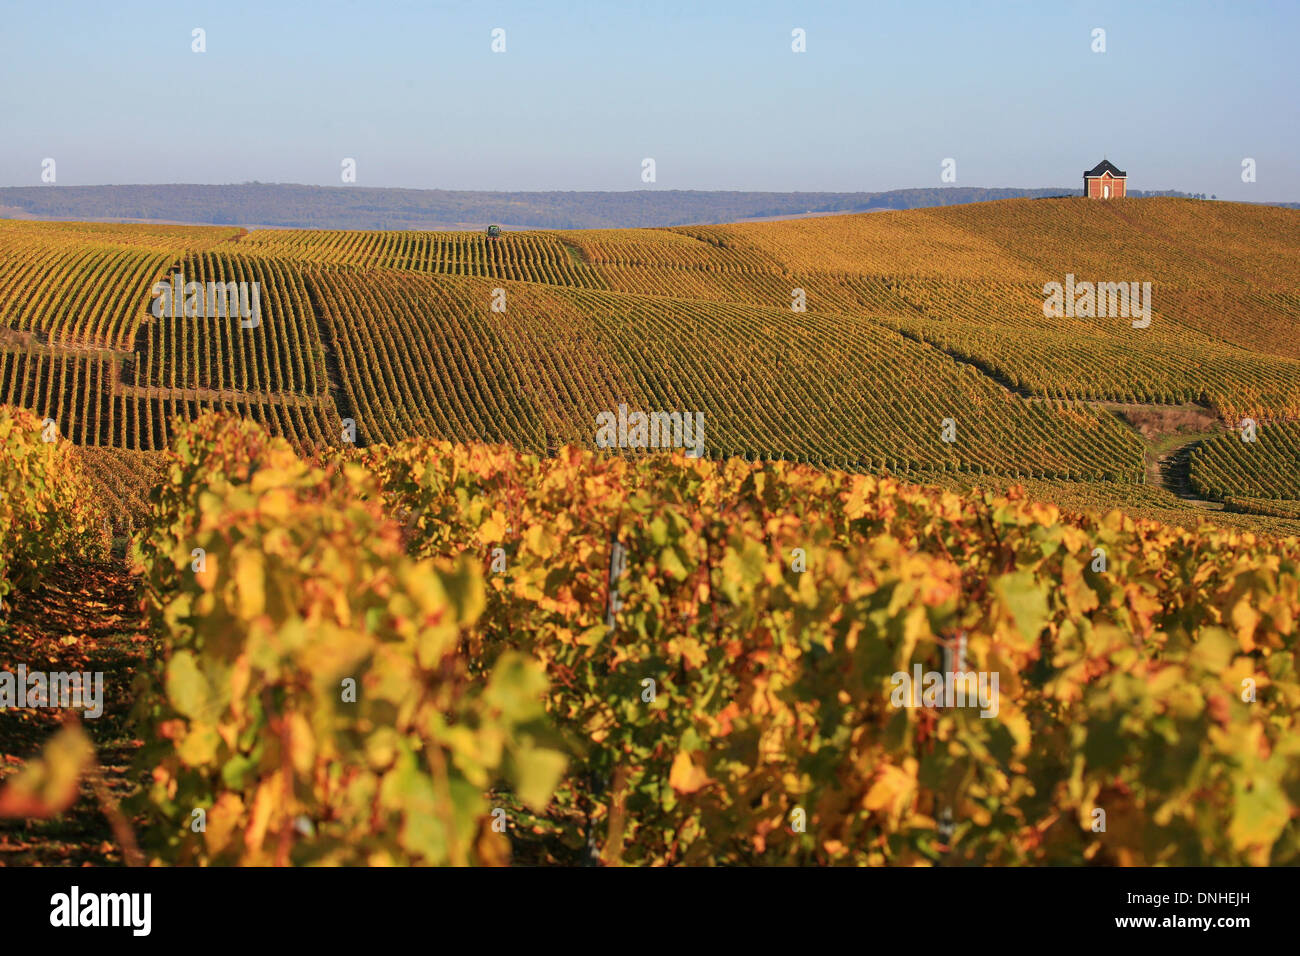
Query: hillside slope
point(922, 348)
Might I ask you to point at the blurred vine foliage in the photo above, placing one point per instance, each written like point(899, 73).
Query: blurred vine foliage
point(47, 511)
point(669, 660)
point(1160, 691)
point(312, 703)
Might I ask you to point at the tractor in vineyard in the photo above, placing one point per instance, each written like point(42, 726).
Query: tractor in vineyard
point(494, 232)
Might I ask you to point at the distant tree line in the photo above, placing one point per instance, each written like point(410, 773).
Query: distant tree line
point(353, 207)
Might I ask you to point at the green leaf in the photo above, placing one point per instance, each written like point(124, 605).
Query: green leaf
point(672, 564)
point(516, 688)
point(1026, 599)
point(1213, 651)
point(1259, 815)
point(199, 746)
point(742, 569)
point(537, 772)
point(187, 689)
point(237, 771)
point(464, 587)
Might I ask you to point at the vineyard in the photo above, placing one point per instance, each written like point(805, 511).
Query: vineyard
point(920, 349)
point(81, 285)
point(369, 592)
point(435, 362)
point(445, 653)
point(470, 441)
point(966, 280)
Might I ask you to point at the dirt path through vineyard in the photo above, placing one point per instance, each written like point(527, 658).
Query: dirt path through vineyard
point(82, 618)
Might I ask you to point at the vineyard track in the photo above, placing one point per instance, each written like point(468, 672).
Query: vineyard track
point(226, 395)
point(1170, 434)
point(1168, 456)
point(988, 371)
point(1173, 470)
point(82, 618)
point(27, 341)
point(338, 396)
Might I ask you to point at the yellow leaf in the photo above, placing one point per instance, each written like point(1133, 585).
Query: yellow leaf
point(302, 744)
point(493, 529)
point(892, 788)
point(1018, 724)
point(276, 503)
point(250, 583)
point(222, 820)
point(686, 776)
point(262, 805)
point(1244, 619)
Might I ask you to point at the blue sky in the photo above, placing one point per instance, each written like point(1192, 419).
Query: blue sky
point(711, 90)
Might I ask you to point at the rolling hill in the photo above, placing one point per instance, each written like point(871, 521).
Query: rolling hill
point(910, 320)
